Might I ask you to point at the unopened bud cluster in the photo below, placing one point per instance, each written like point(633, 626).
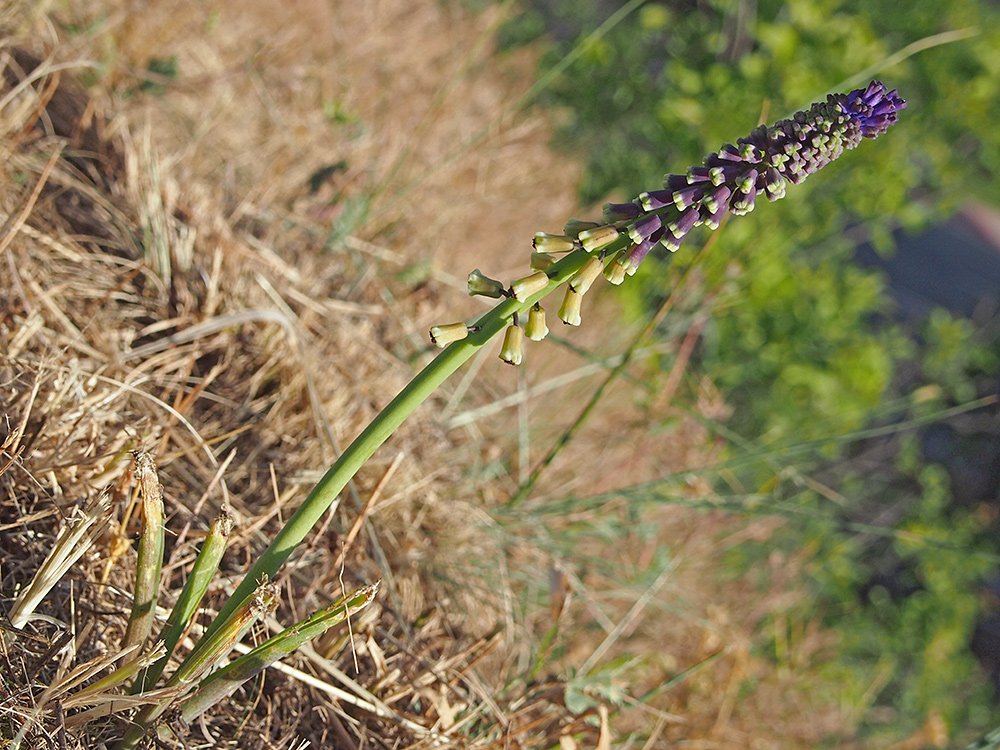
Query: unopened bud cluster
point(728, 181)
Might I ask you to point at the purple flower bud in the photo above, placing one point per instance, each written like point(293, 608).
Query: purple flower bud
point(620, 212)
point(723, 174)
point(764, 162)
point(716, 198)
point(684, 224)
point(698, 174)
point(638, 253)
point(729, 152)
point(644, 227)
point(656, 199)
point(774, 184)
point(675, 181)
point(687, 196)
point(712, 219)
point(747, 180)
point(671, 243)
point(742, 202)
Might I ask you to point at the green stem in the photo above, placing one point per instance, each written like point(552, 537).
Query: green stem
point(378, 431)
point(202, 574)
point(149, 559)
point(223, 683)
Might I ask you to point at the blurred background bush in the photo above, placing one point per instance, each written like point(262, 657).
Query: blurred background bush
point(842, 321)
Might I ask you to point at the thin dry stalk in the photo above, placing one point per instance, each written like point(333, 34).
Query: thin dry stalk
point(74, 539)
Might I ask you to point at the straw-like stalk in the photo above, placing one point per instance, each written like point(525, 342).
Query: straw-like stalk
point(150, 553)
point(98, 691)
point(202, 573)
point(73, 540)
point(223, 683)
point(94, 693)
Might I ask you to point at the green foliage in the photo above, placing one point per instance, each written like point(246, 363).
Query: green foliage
point(791, 348)
point(956, 355)
point(790, 340)
point(912, 622)
point(160, 72)
point(896, 570)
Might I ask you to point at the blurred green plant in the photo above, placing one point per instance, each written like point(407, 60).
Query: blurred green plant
point(160, 72)
point(800, 340)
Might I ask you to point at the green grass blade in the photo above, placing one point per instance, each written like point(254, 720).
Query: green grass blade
point(223, 683)
point(202, 573)
point(149, 560)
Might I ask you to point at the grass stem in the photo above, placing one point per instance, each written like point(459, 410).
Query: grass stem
point(202, 573)
point(150, 554)
point(381, 428)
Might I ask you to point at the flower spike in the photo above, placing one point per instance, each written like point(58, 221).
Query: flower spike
point(761, 164)
point(729, 181)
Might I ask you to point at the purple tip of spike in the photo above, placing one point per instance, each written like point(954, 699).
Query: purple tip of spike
point(620, 211)
point(762, 164)
point(873, 108)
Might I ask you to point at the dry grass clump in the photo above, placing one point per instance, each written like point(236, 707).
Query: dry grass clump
point(234, 269)
point(131, 321)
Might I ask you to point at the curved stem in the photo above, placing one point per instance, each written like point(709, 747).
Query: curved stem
point(379, 430)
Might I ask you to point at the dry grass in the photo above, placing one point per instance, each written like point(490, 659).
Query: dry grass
point(170, 282)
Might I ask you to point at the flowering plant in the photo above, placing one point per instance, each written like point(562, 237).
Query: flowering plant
point(729, 181)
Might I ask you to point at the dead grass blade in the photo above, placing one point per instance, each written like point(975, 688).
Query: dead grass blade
point(73, 540)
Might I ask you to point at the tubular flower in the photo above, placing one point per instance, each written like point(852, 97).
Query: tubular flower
point(732, 178)
point(535, 329)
